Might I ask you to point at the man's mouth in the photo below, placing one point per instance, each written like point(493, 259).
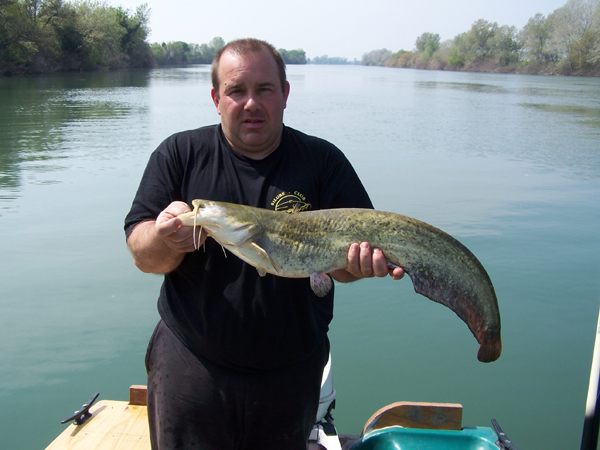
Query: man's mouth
point(253, 124)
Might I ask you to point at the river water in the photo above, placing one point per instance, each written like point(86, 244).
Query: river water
point(508, 164)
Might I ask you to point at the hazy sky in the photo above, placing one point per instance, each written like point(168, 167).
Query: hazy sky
point(346, 28)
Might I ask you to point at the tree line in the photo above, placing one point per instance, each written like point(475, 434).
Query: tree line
point(39, 36)
point(181, 53)
point(566, 42)
point(334, 60)
point(51, 35)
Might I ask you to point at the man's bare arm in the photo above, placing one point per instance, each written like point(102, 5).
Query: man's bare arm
point(158, 246)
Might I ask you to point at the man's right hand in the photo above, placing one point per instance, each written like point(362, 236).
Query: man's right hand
point(169, 229)
point(158, 246)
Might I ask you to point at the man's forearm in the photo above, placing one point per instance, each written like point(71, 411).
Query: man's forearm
point(149, 251)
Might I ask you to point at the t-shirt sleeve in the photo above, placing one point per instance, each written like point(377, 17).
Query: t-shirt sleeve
point(342, 186)
point(159, 186)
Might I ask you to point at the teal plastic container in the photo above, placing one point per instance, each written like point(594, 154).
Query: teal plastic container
point(399, 438)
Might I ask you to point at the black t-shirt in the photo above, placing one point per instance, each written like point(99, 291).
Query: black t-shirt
point(218, 305)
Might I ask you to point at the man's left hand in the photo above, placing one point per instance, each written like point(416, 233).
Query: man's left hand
point(366, 262)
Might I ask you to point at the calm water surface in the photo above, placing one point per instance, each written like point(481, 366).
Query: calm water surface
point(508, 164)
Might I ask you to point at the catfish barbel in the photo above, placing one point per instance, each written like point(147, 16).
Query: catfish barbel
point(313, 243)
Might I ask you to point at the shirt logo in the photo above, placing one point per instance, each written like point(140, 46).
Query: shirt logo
point(290, 202)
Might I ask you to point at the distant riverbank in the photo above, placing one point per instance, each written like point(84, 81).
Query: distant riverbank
point(87, 36)
point(490, 66)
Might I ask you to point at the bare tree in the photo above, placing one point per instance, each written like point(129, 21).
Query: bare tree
point(569, 25)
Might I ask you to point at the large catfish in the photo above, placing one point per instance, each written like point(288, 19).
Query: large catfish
point(313, 243)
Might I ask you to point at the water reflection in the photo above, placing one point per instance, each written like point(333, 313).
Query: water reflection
point(569, 110)
point(469, 87)
point(37, 113)
point(199, 72)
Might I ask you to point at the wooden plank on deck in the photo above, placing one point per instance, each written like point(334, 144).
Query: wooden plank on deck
point(114, 425)
point(437, 416)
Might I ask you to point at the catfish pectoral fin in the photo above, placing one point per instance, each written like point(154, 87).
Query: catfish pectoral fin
point(320, 283)
point(266, 258)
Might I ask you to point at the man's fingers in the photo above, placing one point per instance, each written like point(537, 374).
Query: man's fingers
point(380, 267)
point(168, 227)
point(396, 273)
point(353, 260)
point(366, 260)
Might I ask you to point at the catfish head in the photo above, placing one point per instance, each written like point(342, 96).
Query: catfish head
point(229, 224)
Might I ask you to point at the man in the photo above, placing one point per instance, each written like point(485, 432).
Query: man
point(236, 360)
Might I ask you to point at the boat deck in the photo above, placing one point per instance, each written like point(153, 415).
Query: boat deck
point(114, 425)
point(122, 425)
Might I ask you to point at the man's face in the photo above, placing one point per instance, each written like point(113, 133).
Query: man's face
point(250, 102)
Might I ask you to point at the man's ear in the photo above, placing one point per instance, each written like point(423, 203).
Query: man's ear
point(215, 98)
point(286, 93)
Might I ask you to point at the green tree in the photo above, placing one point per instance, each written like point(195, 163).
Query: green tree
point(479, 39)
point(180, 53)
point(176, 53)
point(158, 52)
point(567, 41)
point(458, 51)
point(594, 55)
point(332, 60)
point(216, 44)
point(48, 35)
point(27, 35)
point(205, 53)
point(505, 45)
point(16, 46)
point(456, 60)
point(422, 40)
point(427, 44)
point(431, 47)
point(102, 34)
point(580, 53)
point(133, 39)
point(570, 24)
point(70, 40)
point(535, 39)
point(376, 57)
point(293, 56)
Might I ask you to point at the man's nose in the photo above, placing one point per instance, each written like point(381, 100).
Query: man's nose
point(252, 102)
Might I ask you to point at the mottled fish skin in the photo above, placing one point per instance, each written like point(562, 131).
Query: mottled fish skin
point(314, 243)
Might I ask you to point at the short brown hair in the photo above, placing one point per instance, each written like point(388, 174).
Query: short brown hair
point(243, 47)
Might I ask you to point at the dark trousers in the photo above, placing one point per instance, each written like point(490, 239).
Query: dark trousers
point(194, 404)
